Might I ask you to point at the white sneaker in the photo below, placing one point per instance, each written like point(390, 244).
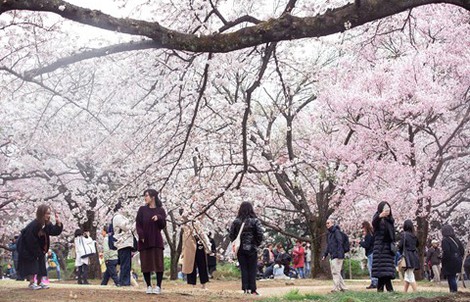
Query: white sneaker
point(43, 285)
point(149, 290)
point(34, 286)
point(157, 290)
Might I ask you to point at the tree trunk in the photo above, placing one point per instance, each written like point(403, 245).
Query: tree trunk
point(174, 257)
point(422, 227)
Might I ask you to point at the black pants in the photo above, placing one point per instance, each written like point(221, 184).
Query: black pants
point(248, 265)
point(200, 265)
point(384, 281)
point(82, 274)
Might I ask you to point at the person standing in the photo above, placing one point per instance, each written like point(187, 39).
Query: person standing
point(84, 248)
point(251, 238)
point(150, 221)
point(110, 258)
point(14, 257)
point(123, 233)
point(196, 246)
point(212, 256)
point(452, 256)
point(383, 259)
point(335, 250)
point(308, 260)
point(33, 244)
point(433, 257)
point(53, 263)
point(298, 253)
point(407, 247)
point(367, 243)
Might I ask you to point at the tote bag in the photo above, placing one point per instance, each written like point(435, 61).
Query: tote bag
point(236, 243)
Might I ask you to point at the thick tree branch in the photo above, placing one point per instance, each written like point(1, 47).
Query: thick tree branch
point(92, 53)
point(287, 27)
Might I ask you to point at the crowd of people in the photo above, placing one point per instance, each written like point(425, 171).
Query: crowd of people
point(386, 254)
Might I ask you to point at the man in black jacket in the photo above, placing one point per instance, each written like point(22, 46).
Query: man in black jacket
point(335, 249)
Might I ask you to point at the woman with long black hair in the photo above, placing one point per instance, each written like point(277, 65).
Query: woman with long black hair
point(452, 255)
point(251, 238)
point(407, 247)
point(383, 259)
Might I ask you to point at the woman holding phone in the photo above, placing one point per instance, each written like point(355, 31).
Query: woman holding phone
point(383, 264)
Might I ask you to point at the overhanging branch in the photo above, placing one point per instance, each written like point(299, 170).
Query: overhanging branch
point(287, 27)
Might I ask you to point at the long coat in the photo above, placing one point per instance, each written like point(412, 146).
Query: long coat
point(191, 231)
point(33, 245)
point(452, 252)
point(407, 247)
point(383, 262)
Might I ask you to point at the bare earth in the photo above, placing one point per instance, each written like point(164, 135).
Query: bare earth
point(177, 291)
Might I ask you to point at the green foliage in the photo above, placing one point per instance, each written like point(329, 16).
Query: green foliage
point(357, 272)
point(294, 295)
point(227, 271)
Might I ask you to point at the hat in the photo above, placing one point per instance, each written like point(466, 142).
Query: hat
point(434, 241)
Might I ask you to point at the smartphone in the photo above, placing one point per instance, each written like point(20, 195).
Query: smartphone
point(386, 209)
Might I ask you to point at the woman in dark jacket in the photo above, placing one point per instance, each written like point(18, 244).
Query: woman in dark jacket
point(33, 245)
point(452, 255)
point(150, 221)
point(407, 247)
point(251, 238)
point(383, 264)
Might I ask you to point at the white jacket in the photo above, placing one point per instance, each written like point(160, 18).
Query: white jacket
point(83, 246)
point(123, 229)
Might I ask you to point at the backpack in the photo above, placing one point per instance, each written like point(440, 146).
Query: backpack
point(111, 238)
point(346, 244)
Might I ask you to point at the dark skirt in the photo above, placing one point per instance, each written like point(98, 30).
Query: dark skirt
point(151, 260)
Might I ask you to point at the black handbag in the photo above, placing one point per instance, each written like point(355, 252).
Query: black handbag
point(134, 244)
point(393, 248)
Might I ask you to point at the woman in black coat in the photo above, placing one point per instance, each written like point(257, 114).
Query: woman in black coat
point(33, 245)
point(407, 247)
point(452, 256)
point(251, 238)
point(383, 260)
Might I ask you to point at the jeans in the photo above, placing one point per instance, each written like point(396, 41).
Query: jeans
point(300, 272)
point(373, 281)
point(307, 269)
point(110, 272)
point(452, 280)
point(124, 256)
point(57, 269)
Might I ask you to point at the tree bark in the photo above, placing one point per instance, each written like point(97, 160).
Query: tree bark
point(286, 27)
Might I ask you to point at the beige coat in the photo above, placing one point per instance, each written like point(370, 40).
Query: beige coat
point(188, 254)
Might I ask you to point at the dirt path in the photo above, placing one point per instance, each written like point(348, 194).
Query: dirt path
point(173, 291)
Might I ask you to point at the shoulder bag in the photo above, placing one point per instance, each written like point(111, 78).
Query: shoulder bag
point(402, 260)
point(236, 243)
